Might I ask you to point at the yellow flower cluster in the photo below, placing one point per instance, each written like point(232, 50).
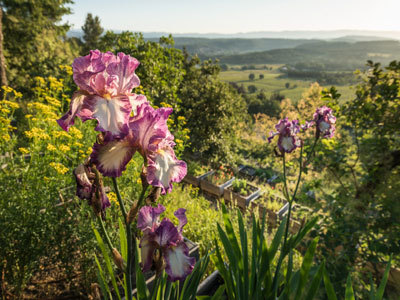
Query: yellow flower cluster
point(66, 68)
point(113, 198)
point(51, 147)
point(75, 132)
point(64, 148)
point(23, 150)
point(60, 168)
point(7, 108)
point(37, 133)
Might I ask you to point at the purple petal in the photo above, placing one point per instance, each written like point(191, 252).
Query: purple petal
point(179, 263)
point(74, 109)
point(180, 214)
point(124, 71)
point(167, 234)
point(147, 248)
point(148, 218)
point(164, 168)
point(112, 156)
point(136, 101)
point(149, 126)
point(86, 67)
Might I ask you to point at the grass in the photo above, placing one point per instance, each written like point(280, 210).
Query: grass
point(271, 83)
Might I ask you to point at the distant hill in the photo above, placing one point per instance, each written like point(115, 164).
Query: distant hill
point(322, 35)
point(332, 55)
point(226, 46)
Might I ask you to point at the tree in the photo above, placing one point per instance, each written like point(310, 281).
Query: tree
point(3, 76)
point(287, 85)
point(92, 31)
point(261, 76)
point(251, 76)
point(252, 88)
point(33, 39)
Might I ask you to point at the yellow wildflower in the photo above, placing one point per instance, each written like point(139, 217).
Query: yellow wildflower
point(76, 133)
point(113, 198)
point(28, 116)
point(23, 150)
point(5, 137)
point(179, 141)
point(61, 133)
point(77, 144)
point(64, 148)
point(181, 118)
point(10, 104)
point(51, 147)
point(60, 168)
point(37, 133)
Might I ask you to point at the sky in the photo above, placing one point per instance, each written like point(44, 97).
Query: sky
point(233, 16)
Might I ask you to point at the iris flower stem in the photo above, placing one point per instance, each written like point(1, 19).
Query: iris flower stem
point(128, 239)
point(284, 245)
point(103, 228)
point(121, 203)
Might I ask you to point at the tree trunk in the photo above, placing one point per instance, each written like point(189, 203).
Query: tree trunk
point(3, 76)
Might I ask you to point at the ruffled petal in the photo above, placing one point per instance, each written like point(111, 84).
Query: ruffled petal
point(124, 70)
point(167, 234)
point(147, 248)
point(75, 107)
point(179, 263)
point(149, 218)
point(149, 126)
point(85, 67)
point(112, 114)
point(164, 168)
point(112, 156)
point(136, 101)
point(180, 214)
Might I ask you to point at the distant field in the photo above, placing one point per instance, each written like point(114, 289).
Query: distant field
point(272, 84)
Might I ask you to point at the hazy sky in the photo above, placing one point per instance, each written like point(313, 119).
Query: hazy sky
point(223, 16)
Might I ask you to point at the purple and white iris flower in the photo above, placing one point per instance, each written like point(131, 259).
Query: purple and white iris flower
point(147, 132)
point(166, 238)
point(325, 121)
point(105, 81)
point(287, 132)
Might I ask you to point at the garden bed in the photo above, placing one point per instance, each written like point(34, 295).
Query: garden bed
point(273, 207)
point(195, 173)
point(215, 182)
point(241, 193)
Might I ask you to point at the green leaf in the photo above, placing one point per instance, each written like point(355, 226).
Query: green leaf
point(245, 256)
point(277, 240)
point(305, 267)
point(102, 281)
point(330, 292)
point(382, 285)
point(107, 261)
point(315, 283)
point(142, 291)
point(349, 295)
point(122, 238)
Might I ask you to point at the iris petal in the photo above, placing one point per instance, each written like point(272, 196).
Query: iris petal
point(179, 263)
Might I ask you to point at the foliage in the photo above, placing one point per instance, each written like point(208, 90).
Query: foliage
point(240, 186)
point(220, 175)
point(196, 169)
point(34, 183)
point(362, 168)
point(33, 40)
point(92, 31)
